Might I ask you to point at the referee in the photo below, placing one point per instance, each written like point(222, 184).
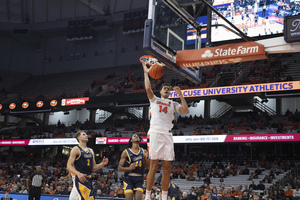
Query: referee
point(35, 183)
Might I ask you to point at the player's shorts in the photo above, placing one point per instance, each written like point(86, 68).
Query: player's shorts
point(84, 189)
point(133, 183)
point(161, 146)
point(74, 195)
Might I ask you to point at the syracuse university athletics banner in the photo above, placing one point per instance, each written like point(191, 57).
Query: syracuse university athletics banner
point(239, 89)
point(220, 55)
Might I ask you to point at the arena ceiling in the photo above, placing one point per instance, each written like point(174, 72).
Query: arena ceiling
point(39, 11)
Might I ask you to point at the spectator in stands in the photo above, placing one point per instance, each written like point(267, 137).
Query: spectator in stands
point(157, 194)
point(182, 175)
point(245, 196)
point(228, 194)
point(121, 194)
point(221, 183)
point(256, 196)
point(288, 198)
point(289, 191)
point(252, 176)
point(209, 197)
point(207, 180)
point(296, 193)
point(192, 194)
point(214, 194)
point(260, 186)
point(23, 189)
point(246, 190)
point(51, 190)
point(270, 129)
point(191, 178)
point(266, 179)
point(158, 180)
point(280, 192)
point(258, 171)
point(205, 194)
point(184, 196)
point(219, 197)
point(271, 175)
point(216, 172)
point(58, 190)
point(152, 196)
point(98, 193)
point(245, 171)
point(266, 194)
point(252, 185)
point(201, 171)
point(223, 174)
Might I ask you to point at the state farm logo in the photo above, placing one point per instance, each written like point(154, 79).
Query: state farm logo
point(239, 50)
point(207, 54)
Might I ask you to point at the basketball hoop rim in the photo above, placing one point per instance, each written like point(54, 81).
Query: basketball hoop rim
point(148, 59)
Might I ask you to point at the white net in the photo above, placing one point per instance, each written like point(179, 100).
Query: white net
point(149, 60)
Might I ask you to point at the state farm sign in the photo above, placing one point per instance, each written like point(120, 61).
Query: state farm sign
point(224, 54)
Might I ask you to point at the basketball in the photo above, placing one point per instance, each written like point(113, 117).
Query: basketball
point(156, 71)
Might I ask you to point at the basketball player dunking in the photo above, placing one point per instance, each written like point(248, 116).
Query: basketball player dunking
point(161, 145)
point(82, 163)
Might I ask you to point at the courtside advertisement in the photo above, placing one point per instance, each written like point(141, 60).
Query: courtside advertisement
point(39, 142)
point(14, 142)
point(239, 89)
point(292, 137)
point(116, 140)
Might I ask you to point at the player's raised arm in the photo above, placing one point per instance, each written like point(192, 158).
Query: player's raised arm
point(100, 165)
point(121, 167)
point(147, 81)
point(183, 109)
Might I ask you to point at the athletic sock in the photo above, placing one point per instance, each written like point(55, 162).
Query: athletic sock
point(148, 192)
point(164, 195)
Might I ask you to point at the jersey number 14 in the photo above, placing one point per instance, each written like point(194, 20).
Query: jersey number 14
point(165, 109)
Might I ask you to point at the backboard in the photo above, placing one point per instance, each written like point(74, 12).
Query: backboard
point(165, 33)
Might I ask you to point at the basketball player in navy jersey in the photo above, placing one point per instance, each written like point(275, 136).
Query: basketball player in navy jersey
point(133, 162)
point(173, 191)
point(82, 163)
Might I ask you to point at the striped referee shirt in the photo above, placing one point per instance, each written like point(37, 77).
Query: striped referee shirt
point(36, 180)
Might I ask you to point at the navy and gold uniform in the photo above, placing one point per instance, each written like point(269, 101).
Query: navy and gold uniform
point(133, 179)
point(84, 164)
point(173, 191)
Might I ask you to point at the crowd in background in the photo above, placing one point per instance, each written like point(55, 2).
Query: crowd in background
point(107, 182)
